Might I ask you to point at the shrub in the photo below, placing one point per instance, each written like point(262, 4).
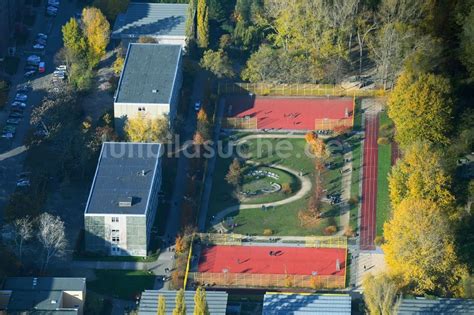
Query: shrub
point(379, 240)
point(383, 141)
point(353, 201)
point(329, 230)
point(286, 188)
point(349, 231)
point(267, 232)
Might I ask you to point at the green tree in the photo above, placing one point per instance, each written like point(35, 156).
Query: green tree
point(234, 174)
point(200, 303)
point(97, 31)
point(419, 249)
point(467, 42)
point(262, 66)
point(111, 8)
point(143, 129)
point(421, 108)
point(218, 63)
point(202, 24)
point(380, 294)
point(161, 305)
point(420, 173)
point(180, 308)
point(74, 41)
point(190, 20)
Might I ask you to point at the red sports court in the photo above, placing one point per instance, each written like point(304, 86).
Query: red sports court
point(286, 260)
point(291, 113)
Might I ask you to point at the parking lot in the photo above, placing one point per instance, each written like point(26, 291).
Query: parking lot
point(12, 149)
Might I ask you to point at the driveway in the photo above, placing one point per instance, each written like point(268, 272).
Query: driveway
point(13, 152)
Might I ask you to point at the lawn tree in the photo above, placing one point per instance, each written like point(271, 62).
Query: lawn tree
point(218, 63)
point(420, 173)
point(74, 42)
point(202, 23)
point(423, 257)
point(200, 303)
point(161, 305)
point(23, 230)
point(180, 308)
point(143, 129)
point(421, 108)
point(261, 66)
point(380, 294)
point(97, 32)
point(191, 21)
point(234, 175)
point(51, 235)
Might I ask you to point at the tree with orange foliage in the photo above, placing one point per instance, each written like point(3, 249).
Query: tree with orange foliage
point(180, 244)
point(317, 145)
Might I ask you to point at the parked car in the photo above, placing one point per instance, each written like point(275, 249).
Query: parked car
point(15, 115)
point(20, 97)
point(53, 3)
point(23, 183)
point(61, 68)
point(197, 106)
point(42, 36)
point(29, 73)
point(22, 88)
point(52, 11)
point(7, 135)
point(41, 41)
point(38, 46)
point(30, 67)
point(13, 121)
point(42, 67)
point(9, 128)
point(18, 104)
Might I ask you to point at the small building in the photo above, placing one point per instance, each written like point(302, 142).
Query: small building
point(123, 199)
point(44, 295)
point(216, 302)
point(149, 84)
point(435, 306)
point(277, 303)
point(165, 22)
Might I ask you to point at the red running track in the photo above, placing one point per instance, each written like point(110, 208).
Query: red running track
point(257, 260)
point(369, 183)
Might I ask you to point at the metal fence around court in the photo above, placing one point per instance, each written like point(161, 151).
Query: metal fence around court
point(295, 90)
point(239, 123)
point(249, 280)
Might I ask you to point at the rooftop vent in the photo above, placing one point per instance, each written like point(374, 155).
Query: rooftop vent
point(126, 202)
point(154, 91)
point(35, 282)
point(142, 173)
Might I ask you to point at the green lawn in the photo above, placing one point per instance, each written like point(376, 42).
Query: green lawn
point(355, 181)
point(283, 220)
point(123, 284)
point(384, 165)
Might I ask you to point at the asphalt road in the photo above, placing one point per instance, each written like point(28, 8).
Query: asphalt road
point(13, 152)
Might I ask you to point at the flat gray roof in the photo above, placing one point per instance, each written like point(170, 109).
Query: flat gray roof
point(125, 172)
point(216, 301)
point(44, 284)
point(151, 19)
point(148, 75)
point(315, 304)
point(422, 306)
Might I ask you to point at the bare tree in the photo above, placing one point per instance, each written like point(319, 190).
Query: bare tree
point(365, 24)
point(52, 236)
point(23, 229)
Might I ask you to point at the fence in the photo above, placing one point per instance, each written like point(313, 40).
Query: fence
point(295, 90)
point(332, 124)
point(326, 241)
point(247, 280)
point(221, 239)
point(239, 123)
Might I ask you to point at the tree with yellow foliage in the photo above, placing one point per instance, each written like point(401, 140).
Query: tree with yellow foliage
point(421, 108)
point(420, 174)
point(143, 129)
point(317, 145)
point(97, 32)
point(419, 249)
point(380, 294)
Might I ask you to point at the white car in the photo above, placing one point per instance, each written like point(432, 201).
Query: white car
point(38, 46)
point(33, 58)
point(29, 73)
point(197, 106)
point(13, 121)
point(23, 183)
point(42, 36)
point(7, 135)
point(18, 104)
point(21, 97)
point(61, 68)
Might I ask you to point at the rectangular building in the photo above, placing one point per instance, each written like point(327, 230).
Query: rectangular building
point(123, 199)
point(44, 295)
point(165, 22)
point(149, 84)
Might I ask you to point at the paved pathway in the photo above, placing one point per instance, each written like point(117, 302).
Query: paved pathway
point(346, 191)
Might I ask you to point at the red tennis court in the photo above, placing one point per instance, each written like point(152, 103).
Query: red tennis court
point(292, 113)
point(257, 260)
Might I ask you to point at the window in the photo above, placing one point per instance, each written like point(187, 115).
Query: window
point(115, 219)
point(141, 109)
point(115, 239)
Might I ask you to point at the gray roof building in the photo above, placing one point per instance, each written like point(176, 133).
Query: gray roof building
point(422, 306)
point(316, 304)
point(124, 178)
point(149, 74)
point(44, 295)
point(151, 19)
point(216, 301)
